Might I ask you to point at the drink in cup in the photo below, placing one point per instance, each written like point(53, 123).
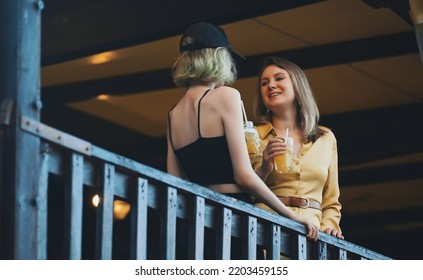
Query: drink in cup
point(252, 139)
point(283, 163)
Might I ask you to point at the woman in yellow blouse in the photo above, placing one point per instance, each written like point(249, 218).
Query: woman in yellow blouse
point(285, 101)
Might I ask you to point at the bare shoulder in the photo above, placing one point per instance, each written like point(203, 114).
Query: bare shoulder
point(227, 93)
point(225, 99)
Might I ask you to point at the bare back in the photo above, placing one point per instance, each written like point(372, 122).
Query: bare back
point(189, 122)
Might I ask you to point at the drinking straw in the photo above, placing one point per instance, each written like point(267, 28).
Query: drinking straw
point(286, 135)
point(243, 111)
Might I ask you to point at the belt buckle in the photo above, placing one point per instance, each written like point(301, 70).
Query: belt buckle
point(307, 203)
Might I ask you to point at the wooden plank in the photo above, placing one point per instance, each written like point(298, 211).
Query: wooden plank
point(168, 224)
point(42, 203)
point(57, 161)
point(300, 248)
point(104, 221)
point(54, 135)
point(138, 242)
point(274, 248)
point(196, 229)
point(251, 238)
point(223, 250)
point(73, 208)
point(342, 254)
point(322, 248)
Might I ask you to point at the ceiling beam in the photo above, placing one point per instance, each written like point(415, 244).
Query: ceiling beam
point(400, 7)
point(310, 57)
point(75, 29)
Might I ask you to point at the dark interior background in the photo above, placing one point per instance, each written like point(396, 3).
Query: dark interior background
point(362, 59)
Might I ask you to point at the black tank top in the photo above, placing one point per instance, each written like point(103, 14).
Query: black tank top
point(207, 160)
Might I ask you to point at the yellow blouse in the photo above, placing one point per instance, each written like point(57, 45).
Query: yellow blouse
point(314, 176)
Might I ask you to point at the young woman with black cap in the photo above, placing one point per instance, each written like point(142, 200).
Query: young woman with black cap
point(206, 143)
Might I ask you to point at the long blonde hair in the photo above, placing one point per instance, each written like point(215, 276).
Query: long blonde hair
point(214, 65)
point(307, 111)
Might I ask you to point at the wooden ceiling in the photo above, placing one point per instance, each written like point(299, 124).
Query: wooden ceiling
point(361, 57)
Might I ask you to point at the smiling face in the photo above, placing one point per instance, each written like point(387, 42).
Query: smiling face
point(276, 88)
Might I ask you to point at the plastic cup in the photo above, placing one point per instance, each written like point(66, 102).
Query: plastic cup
point(283, 163)
point(252, 139)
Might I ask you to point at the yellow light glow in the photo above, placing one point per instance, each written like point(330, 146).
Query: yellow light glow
point(103, 97)
point(120, 209)
point(95, 200)
point(102, 57)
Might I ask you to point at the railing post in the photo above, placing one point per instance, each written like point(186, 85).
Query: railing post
point(322, 250)
point(251, 238)
point(342, 255)
point(104, 227)
point(300, 248)
point(138, 250)
point(168, 224)
point(224, 233)
point(20, 32)
point(196, 229)
point(274, 247)
point(73, 207)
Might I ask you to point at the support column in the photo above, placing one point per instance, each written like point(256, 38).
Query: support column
point(20, 49)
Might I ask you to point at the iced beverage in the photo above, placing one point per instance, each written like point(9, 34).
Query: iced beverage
point(283, 163)
point(252, 139)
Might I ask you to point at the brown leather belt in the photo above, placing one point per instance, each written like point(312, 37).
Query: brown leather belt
point(300, 202)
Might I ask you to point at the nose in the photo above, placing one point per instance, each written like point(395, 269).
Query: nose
point(272, 85)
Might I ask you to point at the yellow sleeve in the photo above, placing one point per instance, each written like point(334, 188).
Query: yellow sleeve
point(331, 207)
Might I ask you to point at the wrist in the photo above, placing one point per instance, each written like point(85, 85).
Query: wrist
point(263, 172)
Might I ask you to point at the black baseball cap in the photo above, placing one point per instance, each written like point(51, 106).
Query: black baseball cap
point(205, 35)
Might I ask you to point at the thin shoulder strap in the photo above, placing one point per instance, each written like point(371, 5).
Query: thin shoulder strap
point(198, 117)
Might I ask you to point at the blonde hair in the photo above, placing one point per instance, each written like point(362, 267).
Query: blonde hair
point(214, 65)
point(307, 111)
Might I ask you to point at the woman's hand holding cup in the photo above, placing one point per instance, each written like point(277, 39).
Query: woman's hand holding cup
point(275, 146)
point(283, 162)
